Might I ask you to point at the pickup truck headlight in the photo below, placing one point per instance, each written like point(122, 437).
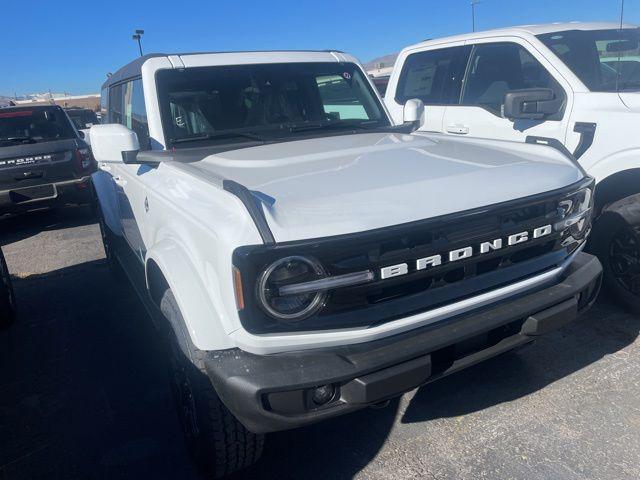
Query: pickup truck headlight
point(288, 306)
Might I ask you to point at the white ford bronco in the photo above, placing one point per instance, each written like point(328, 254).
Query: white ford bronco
point(306, 258)
point(573, 84)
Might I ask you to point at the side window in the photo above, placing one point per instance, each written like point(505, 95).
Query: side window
point(115, 104)
point(104, 106)
point(136, 113)
point(497, 68)
point(434, 76)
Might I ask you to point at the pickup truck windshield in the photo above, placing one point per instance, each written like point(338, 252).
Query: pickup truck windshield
point(22, 126)
point(249, 102)
point(605, 60)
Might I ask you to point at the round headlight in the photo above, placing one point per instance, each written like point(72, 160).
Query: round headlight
point(289, 271)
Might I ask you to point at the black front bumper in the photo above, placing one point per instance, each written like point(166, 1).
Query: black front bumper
point(274, 392)
point(22, 199)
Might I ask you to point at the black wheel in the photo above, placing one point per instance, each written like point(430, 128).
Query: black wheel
point(7, 296)
point(217, 441)
point(617, 245)
point(108, 242)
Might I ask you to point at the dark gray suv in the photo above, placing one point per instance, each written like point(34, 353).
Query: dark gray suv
point(44, 160)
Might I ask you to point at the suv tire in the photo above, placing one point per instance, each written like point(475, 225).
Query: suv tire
point(109, 243)
point(217, 441)
point(7, 296)
point(617, 245)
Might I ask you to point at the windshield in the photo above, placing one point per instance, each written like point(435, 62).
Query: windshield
point(83, 118)
point(18, 126)
point(252, 102)
point(605, 60)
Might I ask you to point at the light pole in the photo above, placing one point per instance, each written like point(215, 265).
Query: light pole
point(473, 14)
point(138, 36)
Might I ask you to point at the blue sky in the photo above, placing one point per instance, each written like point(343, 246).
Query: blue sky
point(69, 46)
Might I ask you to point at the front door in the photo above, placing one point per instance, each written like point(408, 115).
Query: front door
point(495, 68)
point(433, 76)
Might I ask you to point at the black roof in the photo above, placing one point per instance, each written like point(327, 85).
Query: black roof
point(131, 69)
point(134, 68)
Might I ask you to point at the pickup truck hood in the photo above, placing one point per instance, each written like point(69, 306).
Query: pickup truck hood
point(352, 183)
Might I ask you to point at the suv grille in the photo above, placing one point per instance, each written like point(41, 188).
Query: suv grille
point(384, 300)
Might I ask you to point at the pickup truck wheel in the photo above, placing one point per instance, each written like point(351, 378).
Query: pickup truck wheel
point(617, 245)
point(7, 296)
point(217, 441)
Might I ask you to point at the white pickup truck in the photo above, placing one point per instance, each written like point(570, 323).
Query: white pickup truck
point(306, 258)
point(576, 85)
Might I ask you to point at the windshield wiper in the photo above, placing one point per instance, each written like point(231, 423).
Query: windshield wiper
point(218, 135)
point(366, 125)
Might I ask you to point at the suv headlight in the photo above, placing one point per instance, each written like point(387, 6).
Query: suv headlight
point(575, 213)
point(290, 306)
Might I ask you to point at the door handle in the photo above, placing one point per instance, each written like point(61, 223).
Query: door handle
point(104, 167)
point(121, 182)
point(458, 129)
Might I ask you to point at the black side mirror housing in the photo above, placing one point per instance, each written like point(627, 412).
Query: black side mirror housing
point(531, 104)
point(81, 133)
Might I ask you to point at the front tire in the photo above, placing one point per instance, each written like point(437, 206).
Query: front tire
point(617, 244)
point(217, 441)
point(108, 243)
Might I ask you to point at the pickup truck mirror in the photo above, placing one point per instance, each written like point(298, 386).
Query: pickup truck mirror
point(413, 111)
point(531, 104)
point(114, 143)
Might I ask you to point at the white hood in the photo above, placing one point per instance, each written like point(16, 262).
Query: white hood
point(345, 184)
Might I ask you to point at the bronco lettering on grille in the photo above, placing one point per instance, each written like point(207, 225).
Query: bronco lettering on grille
point(466, 252)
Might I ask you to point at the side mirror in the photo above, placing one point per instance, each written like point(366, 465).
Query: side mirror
point(81, 133)
point(413, 111)
point(114, 143)
point(531, 104)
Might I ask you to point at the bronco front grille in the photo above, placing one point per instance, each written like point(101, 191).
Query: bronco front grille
point(384, 300)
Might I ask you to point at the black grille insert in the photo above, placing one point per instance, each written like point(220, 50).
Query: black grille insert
point(384, 300)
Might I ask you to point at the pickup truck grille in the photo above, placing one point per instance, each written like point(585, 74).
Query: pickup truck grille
point(383, 300)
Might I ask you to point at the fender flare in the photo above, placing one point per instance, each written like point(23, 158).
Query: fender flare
point(610, 165)
point(200, 317)
point(107, 200)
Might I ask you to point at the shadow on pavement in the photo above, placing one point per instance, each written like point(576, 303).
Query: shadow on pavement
point(605, 329)
point(85, 394)
point(25, 225)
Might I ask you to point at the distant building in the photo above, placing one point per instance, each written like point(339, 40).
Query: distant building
point(92, 101)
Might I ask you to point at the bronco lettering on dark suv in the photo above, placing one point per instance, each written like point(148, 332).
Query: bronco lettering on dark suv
point(305, 257)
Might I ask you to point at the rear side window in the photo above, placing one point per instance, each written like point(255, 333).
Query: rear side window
point(116, 98)
point(498, 68)
point(104, 106)
point(135, 116)
point(37, 125)
point(127, 107)
point(434, 76)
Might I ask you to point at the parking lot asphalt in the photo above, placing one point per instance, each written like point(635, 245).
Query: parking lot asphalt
point(84, 391)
